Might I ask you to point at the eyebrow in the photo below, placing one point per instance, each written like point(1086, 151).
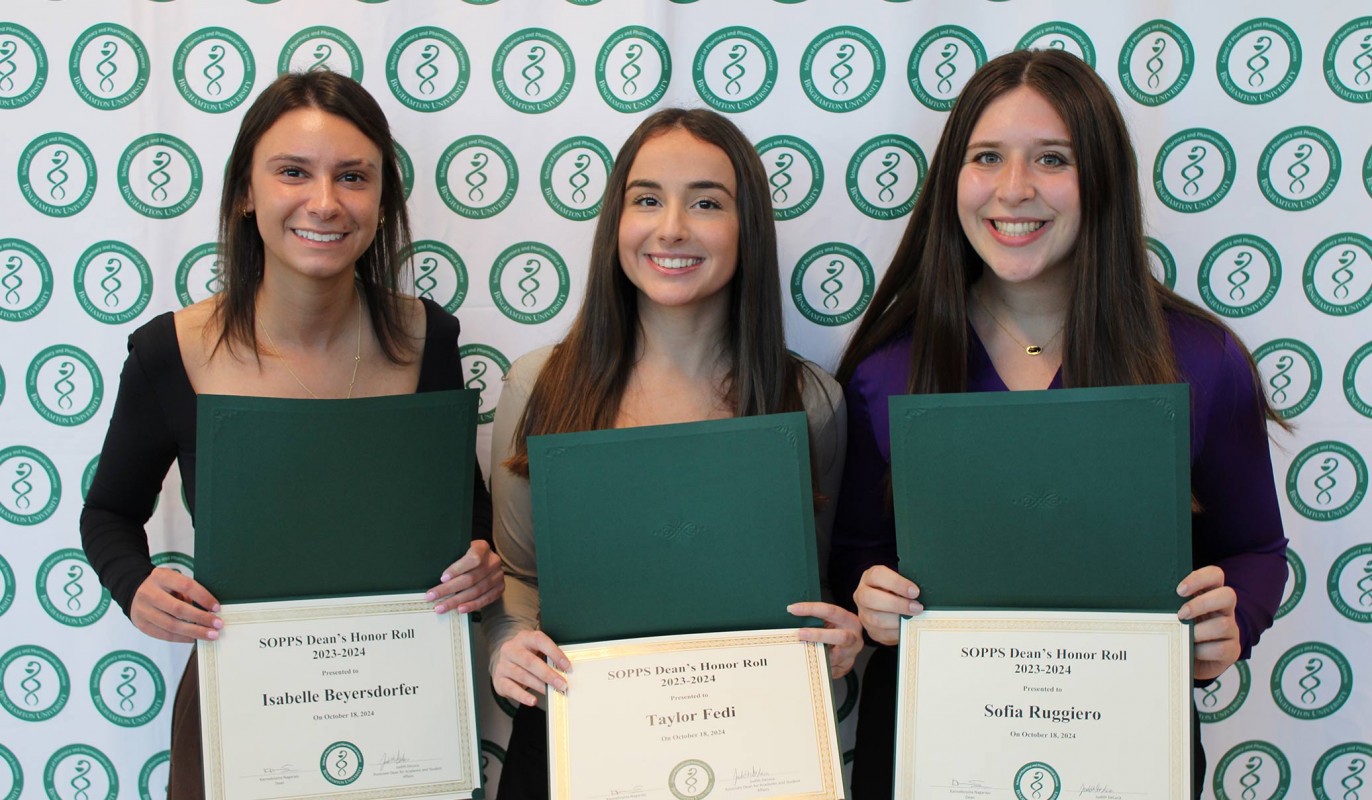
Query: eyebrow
point(694, 185)
point(1039, 142)
point(351, 163)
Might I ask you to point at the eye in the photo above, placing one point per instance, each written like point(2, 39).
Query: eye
point(292, 172)
point(1054, 160)
point(984, 157)
point(709, 204)
point(353, 177)
point(645, 200)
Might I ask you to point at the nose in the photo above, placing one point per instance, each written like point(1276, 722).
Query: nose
point(1016, 181)
point(323, 201)
point(671, 224)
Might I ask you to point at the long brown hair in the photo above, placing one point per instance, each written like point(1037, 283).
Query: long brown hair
point(1116, 328)
point(583, 381)
point(241, 250)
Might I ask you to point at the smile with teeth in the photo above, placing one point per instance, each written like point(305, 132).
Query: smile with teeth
point(1017, 228)
point(666, 262)
point(314, 236)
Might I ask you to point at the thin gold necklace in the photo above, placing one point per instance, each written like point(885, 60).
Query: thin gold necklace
point(357, 356)
point(1029, 349)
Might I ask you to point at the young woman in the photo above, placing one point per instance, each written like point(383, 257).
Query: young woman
point(1023, 267)
point(681, 322)
point(312, 231)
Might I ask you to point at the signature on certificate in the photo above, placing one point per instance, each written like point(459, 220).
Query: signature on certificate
point(394, 758)
point(749, 773)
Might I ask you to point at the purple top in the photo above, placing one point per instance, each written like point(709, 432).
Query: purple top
point(1239, 528)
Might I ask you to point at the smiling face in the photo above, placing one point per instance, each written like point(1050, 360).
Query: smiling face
point(1018, 196)
point(678, 233)
point(316, 190)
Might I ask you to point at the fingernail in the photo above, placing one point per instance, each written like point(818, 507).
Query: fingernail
point(212, 635)
point(215, 608)
point(1184, 613)
point(1182, 589)
point(561, 686)
point(430, 595)
point(566, 666)
point(463, 609)
point(446, 577)
point(791, 608)
point(438, 609)
point(219, 623)
point(912, 592)
point(528, 701)
point(915, 608)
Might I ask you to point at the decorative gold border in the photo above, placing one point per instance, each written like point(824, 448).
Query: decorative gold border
point(1178, 652)
point(817, 670)
point(238, 614)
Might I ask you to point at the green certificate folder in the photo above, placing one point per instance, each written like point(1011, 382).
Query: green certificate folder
point(304, 498)
point(1064, 499)
point(674, 529)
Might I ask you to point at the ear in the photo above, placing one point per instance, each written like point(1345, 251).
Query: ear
point(248, 205)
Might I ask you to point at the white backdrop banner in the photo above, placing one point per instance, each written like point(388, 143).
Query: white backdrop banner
point(1252, 119)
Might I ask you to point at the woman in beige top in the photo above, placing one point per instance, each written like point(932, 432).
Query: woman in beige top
point(681, 323)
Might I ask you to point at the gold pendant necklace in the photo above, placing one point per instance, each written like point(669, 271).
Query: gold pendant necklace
point(357, 356)
point(1029, 349)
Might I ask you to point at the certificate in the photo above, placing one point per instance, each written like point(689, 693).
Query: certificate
point(360, 697)
point(746, 714)
point(1044, 704)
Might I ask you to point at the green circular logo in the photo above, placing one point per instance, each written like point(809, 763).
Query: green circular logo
point(691, 779)
point(1350, 583)
point(109, 66)
point(11, 777)
point(1224, 695)
point(156, 771)
point(88, 476)
point(159, 176)
point(23, 66)
point(533, 70)
point(80, 771)
point(1194, 170)
point(941, 63)
point(832, 284)
point(1348, 61)
point(1341, 771)
point(842, 69)
point(1259, 61)
point(25, 280)
point(427, 69)
point(33, 683)
point(1291, 375)
point(30, 488)
point(341, 763)
point(1295, 587)
point(795, 173)
point(439, 274)
point(487, 173)
point(1037, 780)
point(633, 69)
point(1357, 382)
point(535, 289)
point(491, 752)
point(1311, 681)
point(321, 47)
point(735, 69)
point(127, 688)
point(1299, 169)
point(1239, 276)
point(113, 282)
point(574, 177)
point(1156, 62)
point(214, 70)
point(1060, 35)
point(1326, 481)
point(199, 275)
point(175, 561)
point(885, 175)
point(57, 174)
point(7, 588)
point(1367, 172)
point(1251, 768)
point(484, 369)
point(64, 385)
point(1338, 274)
point(406, 169)
point(1160, 260)
point(69, 590)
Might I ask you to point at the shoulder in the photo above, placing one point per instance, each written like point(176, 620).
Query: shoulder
point(1206, 352)
point(423, 317)
point(884, 372)
point(524, 372)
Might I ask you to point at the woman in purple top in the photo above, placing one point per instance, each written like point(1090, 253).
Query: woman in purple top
point(1023, 267)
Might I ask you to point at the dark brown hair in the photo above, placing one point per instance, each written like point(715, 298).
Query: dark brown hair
point(1116, 330)
point(241, 249)
point(583, 381)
